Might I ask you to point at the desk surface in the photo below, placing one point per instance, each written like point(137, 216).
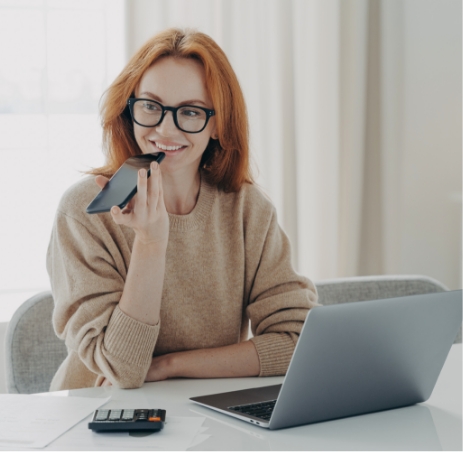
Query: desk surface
point(433, 425)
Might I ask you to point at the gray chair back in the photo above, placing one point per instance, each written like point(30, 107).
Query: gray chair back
point(33, 352)
point(344, 290)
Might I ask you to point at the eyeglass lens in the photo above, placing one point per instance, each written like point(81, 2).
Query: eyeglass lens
point(149, 114)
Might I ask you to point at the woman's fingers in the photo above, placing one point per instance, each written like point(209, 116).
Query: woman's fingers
point(161, 193)
point(154, 186)
point(116, 213)
point(101, 181)
point(142, 187)
point(146, 213)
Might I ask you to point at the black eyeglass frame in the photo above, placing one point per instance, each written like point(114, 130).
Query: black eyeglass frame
point(131, 102)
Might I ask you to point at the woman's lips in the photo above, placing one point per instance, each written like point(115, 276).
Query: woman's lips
point(168, 152)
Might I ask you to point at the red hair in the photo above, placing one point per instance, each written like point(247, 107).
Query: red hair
point(226, 159)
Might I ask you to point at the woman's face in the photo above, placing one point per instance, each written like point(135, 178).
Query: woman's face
point(173, 82)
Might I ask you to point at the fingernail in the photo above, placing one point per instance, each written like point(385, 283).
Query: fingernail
point(114, 210)
point(154, 165)
point(142, 172)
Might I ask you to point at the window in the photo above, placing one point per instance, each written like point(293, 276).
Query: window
point(58, 57)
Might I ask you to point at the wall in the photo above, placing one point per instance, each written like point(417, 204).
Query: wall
point(421, 137)
point(433, 85)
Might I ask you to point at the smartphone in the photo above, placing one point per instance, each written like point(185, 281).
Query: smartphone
point(122, 187)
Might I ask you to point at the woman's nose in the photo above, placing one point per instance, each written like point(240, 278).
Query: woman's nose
point(167, 126)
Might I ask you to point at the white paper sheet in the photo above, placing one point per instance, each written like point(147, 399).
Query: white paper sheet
point(179, 433)
point(29, 421)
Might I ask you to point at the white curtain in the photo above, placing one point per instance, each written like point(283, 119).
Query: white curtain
point(287, 56)
point(321, 79)
point(308, 153)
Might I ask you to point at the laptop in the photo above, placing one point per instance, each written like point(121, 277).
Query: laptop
point(352, 359)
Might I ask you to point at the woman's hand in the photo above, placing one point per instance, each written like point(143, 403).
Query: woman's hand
point(145, 213)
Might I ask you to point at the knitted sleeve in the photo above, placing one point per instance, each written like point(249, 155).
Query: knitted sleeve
point(87, 274)
point(279, 298)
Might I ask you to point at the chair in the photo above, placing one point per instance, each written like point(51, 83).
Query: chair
point(34, 353)
point(344, 290)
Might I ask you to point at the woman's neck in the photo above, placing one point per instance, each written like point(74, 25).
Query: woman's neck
point(181, 192)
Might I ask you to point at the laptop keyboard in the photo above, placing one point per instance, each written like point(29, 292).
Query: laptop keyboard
point(262, 410)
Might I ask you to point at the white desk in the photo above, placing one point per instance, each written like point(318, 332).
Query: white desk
point(434, 425)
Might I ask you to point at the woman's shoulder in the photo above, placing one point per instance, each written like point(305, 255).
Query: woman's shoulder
point(253, 193)
point(73, 206)
point(77, 197)
point(251, 199)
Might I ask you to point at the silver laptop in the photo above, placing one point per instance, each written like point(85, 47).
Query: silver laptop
point(352, 359)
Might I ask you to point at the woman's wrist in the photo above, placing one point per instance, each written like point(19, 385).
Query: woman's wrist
point(152, 245)
point(162, 367)
point(142, 294)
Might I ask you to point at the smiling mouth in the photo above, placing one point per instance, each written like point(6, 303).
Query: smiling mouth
point(167, 148)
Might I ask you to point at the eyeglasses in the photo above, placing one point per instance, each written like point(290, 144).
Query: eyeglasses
point(188, 118)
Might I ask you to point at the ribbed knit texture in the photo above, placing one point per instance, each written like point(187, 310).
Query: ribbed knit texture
point(228, 266)
point(275, 352)
point(126, 334)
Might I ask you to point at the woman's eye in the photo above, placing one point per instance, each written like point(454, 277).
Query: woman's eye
point(190, 113)
point(149, 106)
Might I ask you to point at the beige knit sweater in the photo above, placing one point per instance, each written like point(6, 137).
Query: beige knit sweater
point(227, 264)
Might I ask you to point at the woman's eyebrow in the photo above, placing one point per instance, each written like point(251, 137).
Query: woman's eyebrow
point(192, 101)
point(147, 93)
point(185, 102)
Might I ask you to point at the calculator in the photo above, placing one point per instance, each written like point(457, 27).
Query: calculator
point(127, 420)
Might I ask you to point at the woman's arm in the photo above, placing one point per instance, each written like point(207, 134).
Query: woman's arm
point(147, 216)
point(279, 300)
point(237, 360)
point(141, 298)
point(107, 296)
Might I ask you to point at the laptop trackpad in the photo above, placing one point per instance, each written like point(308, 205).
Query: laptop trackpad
point(243, 397)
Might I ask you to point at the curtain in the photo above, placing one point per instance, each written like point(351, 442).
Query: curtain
point(307, 122)
point(323, 81)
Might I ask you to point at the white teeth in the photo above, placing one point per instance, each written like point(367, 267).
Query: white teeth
point(168, 148)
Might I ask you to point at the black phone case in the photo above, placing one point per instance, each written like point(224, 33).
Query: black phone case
point(97, 205)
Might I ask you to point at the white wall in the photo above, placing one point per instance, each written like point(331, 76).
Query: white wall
point(421, 137)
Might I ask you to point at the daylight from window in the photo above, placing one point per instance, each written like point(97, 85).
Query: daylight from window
point(61, 56)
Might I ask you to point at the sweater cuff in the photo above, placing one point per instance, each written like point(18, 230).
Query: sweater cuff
point(129, 340)
point(275, 351)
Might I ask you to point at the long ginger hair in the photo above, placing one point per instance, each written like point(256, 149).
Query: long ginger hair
point(226, 159)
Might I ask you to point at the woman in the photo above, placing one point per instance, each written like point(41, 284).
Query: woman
point(167, 287)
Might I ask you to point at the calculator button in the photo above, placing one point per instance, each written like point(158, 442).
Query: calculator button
point(128, 415)
point(102, 415)
point(115, 415)
point(154, 419)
